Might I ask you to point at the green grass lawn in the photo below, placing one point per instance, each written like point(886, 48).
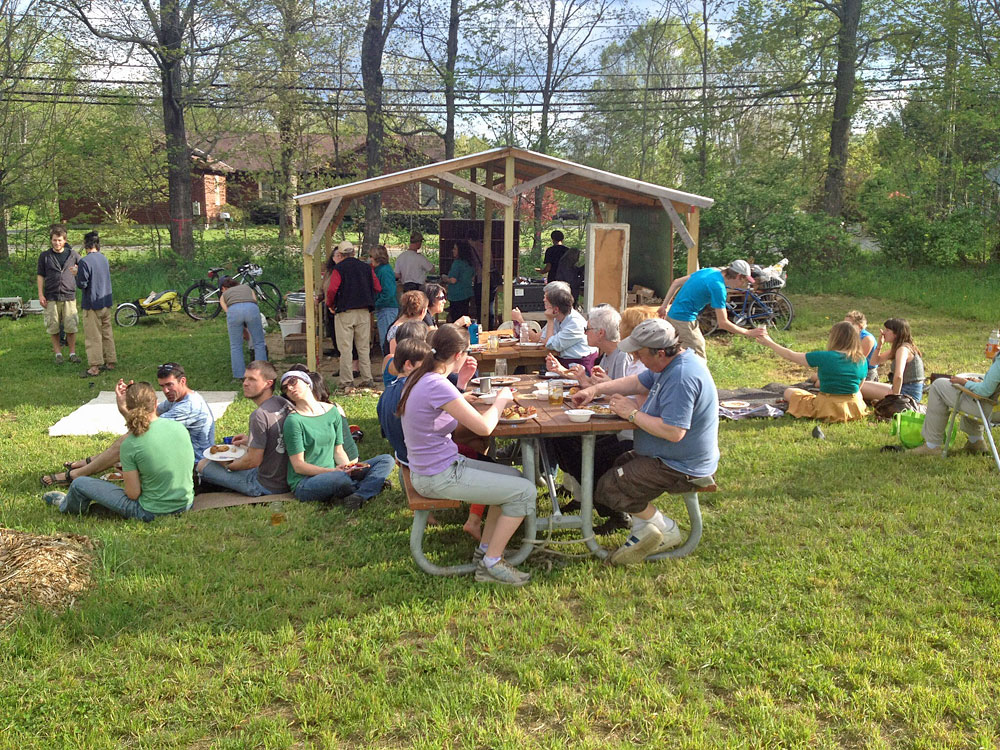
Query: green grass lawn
point(840, 598)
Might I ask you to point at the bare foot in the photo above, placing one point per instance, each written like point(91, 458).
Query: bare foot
point(474, 526)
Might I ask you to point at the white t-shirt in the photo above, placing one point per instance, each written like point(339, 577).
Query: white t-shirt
point(412, 267)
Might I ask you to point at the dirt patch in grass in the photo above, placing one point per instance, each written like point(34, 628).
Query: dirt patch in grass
point(50, 571)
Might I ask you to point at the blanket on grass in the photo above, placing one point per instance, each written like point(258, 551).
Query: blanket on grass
point(101, 414)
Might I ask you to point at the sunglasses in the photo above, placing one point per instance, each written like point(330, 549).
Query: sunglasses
point(167, 369)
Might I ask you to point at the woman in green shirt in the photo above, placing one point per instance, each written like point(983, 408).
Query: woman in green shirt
point(841, 368)
point(157, 465)
point(460, 279)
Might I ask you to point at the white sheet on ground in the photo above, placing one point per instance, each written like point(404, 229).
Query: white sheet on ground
point(101, 414)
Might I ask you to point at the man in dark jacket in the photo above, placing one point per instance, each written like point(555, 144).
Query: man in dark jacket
point(93, 276)
point(351, 296)
point(57, 291)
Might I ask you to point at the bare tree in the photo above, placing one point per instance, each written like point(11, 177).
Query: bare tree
point(174, 33)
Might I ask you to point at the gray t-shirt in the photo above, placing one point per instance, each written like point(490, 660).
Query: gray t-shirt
point(412, 267)
point(265, 433)
point(238, 293)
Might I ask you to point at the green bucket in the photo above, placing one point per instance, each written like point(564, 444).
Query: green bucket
point(907, 424)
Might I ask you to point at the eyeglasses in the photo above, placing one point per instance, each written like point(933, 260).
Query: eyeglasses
point(167, 369)
point(442, 297)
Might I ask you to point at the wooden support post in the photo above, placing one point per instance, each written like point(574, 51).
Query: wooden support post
point(487, 273)
point(472, 196)
point(508, 243)
point(597, 211)
point(309, 285)
point(694, 215)
point(670, 258)
point(611, 212)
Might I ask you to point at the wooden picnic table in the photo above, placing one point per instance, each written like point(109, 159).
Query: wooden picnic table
point(511, 350)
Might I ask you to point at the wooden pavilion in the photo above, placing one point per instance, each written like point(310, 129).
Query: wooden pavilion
point(498, 176)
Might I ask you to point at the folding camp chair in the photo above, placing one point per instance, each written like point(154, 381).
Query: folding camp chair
point(971, 407)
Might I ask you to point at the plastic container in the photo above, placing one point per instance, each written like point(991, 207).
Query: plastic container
point(579, 415)
point(290, 326)
point(907, 425)
point(474, 332)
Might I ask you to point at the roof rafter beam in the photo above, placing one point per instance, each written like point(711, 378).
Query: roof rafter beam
point(675, 219)
point(524, 187)
point(439, 185)
point(494, 196)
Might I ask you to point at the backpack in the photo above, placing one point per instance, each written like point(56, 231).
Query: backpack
point(894, 403)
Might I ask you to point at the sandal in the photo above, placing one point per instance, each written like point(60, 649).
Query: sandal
point(69, 464)
point(89, 374)
point(53, 480)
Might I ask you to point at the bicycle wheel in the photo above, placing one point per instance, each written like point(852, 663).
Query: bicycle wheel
point(201, 301)
point(269, 300)
point(773, 310)
point(126, 315)
point(707, 321)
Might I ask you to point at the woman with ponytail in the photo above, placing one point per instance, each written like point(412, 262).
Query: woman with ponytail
point(156, 458)
point(431, 408)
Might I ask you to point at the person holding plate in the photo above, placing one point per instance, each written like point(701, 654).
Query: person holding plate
point(263, 469)
point(156, 458)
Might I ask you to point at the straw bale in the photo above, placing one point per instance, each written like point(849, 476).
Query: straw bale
point(49, 571)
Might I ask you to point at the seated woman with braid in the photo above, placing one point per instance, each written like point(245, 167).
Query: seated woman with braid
point(156, 458)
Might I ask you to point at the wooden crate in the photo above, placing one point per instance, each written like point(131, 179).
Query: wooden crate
point(295, 343)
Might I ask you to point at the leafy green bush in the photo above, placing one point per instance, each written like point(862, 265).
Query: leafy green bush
point(264, 212)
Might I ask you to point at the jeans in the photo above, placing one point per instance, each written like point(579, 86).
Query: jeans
point(239, 315)
point(480, 482)
point(385, 317)
point(86, 490)
point(244, 482)
point(914, 390)
point(334, 485)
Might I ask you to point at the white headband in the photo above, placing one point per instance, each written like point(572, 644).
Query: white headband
point(296, 375)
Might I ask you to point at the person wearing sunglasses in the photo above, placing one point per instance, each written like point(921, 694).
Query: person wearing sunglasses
point(437, 296)
point(181, 405)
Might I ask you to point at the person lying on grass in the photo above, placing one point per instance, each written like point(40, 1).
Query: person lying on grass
point(430, 409)
point(906, 368)
point(841, 368)
point(676, 436)
point(156, 457)
point(263, 469)
point(943, 396)
point(182, 405)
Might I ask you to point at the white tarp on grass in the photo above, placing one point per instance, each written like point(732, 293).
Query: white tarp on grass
point(101, 414)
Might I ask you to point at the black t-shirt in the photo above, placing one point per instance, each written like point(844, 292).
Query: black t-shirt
point(552, 257)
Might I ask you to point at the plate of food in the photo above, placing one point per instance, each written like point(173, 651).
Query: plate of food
point(499, 381)
point(734, 404)
point(576, 389)
point(970, 375)
point(554, 374)
point(223, 452)
point(516, 413)
point(113, 476)
point(601, 411)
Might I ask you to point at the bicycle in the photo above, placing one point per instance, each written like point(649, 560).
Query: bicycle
point(201, 300)
point(748, 308)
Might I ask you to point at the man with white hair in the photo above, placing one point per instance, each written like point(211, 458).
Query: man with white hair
point(690, 294)
point(351, 296)
point(676, 445)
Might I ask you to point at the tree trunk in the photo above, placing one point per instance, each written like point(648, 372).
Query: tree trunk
point(372, 46)
point(840, 130)
point(448, 200)
point(543, 129)
point(170, 57)
point(286, 137)
point(4, 215)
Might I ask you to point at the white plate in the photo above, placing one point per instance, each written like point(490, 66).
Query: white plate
point(554, 374)
point(970, 375)
point(517, 420)
point(233, 452)
point(569, 383)
point(500, 380)
point(532, 344)
point(734, 404)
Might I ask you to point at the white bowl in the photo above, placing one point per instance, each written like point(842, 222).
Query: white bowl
point(579, 415)
point(488, 398)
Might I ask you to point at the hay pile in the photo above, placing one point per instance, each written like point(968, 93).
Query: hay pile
point(46, 570)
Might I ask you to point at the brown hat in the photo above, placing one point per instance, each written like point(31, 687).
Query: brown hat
point(416, 238)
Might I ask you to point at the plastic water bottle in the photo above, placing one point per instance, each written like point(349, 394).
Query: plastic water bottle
point(474, 332)
point(993, 346)
point(523, 335)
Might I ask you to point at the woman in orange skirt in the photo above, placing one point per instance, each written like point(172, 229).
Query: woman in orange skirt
point(841, 368)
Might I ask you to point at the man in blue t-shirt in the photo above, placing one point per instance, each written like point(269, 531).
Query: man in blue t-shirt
point(676, 444)
point(690, 294)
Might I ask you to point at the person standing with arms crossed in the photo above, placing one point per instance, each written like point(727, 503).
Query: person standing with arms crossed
point(57, 291)
point(93, 277)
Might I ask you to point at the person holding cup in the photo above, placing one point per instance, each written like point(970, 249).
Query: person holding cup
point(431, 408)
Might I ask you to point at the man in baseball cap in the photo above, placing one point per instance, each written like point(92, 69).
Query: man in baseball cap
point(350, 295)
point(690, 294)
point(676, 438)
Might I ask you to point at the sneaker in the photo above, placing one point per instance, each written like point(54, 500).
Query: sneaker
point(978, 448)
point(637, 547)
point(74, 358)
point(59, 358)
point(478, 555)
point(502, 573)
point(923, 450)
point(672, 538)
point(53, 498)
point(354, 501)
point(367, 384)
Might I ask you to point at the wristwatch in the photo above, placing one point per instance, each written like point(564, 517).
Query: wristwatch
point(631, 417)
